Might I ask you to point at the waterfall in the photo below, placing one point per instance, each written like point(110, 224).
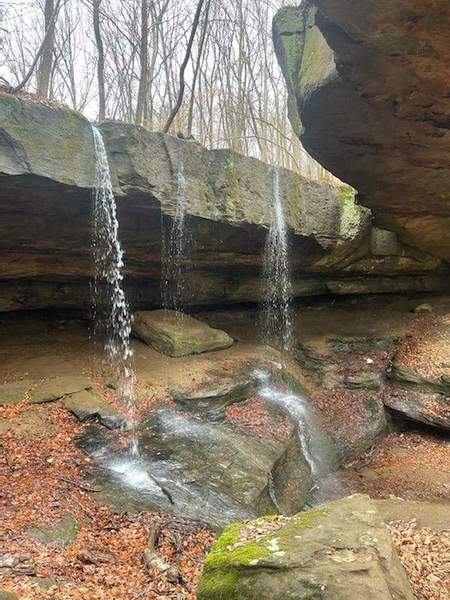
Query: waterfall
point(111, 308)
point(276, 318)
point(174, 251)
point(296, 406)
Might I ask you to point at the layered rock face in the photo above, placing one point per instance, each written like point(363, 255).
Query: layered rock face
point(368, 84)
point(47, 170)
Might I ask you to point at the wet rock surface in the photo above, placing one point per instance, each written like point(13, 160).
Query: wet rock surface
point(87, 406)
point(338, 551)
point(194, 462)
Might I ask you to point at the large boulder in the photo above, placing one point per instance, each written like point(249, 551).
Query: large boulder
point(368, 96)
point(177, 334)
point(47, 170)
point(338, 551)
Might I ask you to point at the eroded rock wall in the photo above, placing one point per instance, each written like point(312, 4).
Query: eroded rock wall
point(47, 168)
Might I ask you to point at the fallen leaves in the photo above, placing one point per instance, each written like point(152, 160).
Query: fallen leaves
point(253, 416)
point(425, 554)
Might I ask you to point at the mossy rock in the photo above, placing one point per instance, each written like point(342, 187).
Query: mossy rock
point(50, 142)
point(338, 551)
point(62, 533)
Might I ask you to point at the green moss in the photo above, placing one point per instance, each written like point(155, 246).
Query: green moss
point(308, 518)
point(225, 567)
point(372, 405)
point(218, 584)
point(56, 142)
point(242, 556)
point(209, 200)
point(9, 99)
point(346, 197)
point(232, 190)
point(295, 198)
point(351, 213)
point(230, 535)
point(317, 58)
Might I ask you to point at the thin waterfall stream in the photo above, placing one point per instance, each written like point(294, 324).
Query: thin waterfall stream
point(276, 318)
point(277, 327)
point(175, 250)
point(110, 304)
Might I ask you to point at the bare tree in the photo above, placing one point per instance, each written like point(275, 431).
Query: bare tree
point(187, 56)
point(205, 67)
point(48, 37)
point(46, 59)
point(197, 67)
point(100, 60)
point(143, 59)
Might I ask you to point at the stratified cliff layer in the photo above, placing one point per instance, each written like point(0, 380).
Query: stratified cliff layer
point(47, 167)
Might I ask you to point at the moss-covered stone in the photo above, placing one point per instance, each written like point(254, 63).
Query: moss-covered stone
point(55, 143)
point(335, 552)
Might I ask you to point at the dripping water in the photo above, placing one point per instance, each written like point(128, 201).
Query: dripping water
point(175, 251)
point(111, 310)
point(276, 318)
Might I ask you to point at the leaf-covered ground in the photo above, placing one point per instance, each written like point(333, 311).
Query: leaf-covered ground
point(40, 482)
point(425, 554)
point(41, 468)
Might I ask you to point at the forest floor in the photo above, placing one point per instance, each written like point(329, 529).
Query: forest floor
point(100, 554)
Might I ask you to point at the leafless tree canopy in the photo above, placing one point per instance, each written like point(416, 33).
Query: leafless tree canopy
point(124, 60)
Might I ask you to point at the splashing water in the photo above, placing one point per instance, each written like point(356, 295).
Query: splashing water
point(111, 310)
point(296, 407)
point(175, 252)
point(276, 318)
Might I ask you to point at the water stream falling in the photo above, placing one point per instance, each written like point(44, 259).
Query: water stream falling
point(296, 407)
point(175, 251)
point(276, 318)
point(110, 305)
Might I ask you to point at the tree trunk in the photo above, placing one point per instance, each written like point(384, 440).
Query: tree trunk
point(187, 56)
point(143, 58)
point(49, 32)
point(46, 62)
point(197, 68)
point(100, 61)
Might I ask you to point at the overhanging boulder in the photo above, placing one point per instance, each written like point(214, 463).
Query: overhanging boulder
point(368, 89)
